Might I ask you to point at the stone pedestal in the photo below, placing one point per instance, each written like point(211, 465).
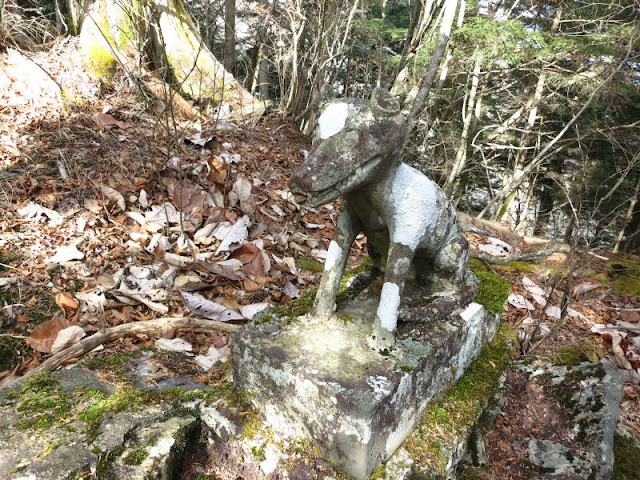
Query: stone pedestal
point(320, 381)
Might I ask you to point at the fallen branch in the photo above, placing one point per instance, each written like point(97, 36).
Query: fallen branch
point(148, 327)
point(518, 258)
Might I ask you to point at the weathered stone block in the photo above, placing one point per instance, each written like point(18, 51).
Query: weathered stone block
point(320, 381)
point(591, 393)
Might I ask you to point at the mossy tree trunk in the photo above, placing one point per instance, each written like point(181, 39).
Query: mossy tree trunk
point(131, 33)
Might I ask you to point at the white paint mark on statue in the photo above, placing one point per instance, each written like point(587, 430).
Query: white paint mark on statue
point(388, 307)
point(402, 267)
point(332, 120)
point(413, 197)
point(333, 255)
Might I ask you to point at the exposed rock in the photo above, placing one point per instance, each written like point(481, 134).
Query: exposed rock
point(561, 462)
point(591, 393)
point(70, 424)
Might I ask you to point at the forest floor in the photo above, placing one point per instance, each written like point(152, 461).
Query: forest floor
point(115, 210)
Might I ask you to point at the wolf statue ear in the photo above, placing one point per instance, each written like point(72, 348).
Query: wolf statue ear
point(383, 103)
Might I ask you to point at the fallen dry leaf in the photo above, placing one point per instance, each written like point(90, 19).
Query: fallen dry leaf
point(65, 254)
point(115, 196)
point(44, 335)
point(66, 301)
point(106, 120)
point(208, 309)
point(217, 170)
point(230, 235)
point(67, 337)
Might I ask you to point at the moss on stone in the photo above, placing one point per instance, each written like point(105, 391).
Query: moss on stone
point(298, 307)
point(302, 305)
point(493, 291)
point(452, 417)
point(135, 457)
point(626, 276)
point(626, 453)
point(573, 355)
point(115, 366)
point(100, 60)
point(520, 266)
point(42, 401)
point(310, 264)
point(627, 284)
point(49, 449)
point(128, 398)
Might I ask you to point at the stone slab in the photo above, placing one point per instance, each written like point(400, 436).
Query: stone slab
point(320, 381)
point(591, 393)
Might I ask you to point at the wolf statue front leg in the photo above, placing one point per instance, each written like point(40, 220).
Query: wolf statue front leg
point(348, 226)
point(399, 262)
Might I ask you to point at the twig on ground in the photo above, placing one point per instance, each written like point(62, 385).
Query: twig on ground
point(518, 258)
point(148, 327)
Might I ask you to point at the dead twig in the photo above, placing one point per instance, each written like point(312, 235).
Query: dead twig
point(148, 327)
point(518, 258)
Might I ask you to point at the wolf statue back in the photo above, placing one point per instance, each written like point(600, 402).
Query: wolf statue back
point(411, 226)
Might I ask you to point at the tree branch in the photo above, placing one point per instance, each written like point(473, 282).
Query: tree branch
point(149, 327)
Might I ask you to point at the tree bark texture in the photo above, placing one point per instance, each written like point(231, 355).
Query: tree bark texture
point(427, 81)
point(113, 32)
point(230, 36)
point(628, 217)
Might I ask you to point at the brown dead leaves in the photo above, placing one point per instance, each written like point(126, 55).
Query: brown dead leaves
point(44, 337)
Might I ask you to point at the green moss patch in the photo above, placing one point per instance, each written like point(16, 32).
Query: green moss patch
point(573, 355)
point(298, 307)
point(626, 454)
point(135, 457)
point(627, 284)
point(520, 266)
point(493, 291)
point(42, 402)
point(626, 276)
point(310, 264)
point(128, 398)
point(454, 416)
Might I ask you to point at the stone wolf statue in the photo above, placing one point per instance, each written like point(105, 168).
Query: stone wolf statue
point(409, 222)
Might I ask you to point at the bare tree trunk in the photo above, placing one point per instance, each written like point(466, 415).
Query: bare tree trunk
point(540, 157)
point(230, 36)
point(444, 71)
point(421, 18)
point(627, 217)
point(192, 66)
point(467, 117)
point(263, 77)
point(547, 198)
point(297, 25)
point(568, 233)
point(521, 154)
point(438, 53)
point(259, 60)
